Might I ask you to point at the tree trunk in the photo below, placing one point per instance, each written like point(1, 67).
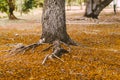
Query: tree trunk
point(114, 6)
point(54, 28)
point(54, 22)
point(53, 31)
point(94, 7)
point(11, 9)
point(80, 2)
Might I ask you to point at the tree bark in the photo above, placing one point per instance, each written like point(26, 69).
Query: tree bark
point(80, 2)
point(54, 22)
point(114, 6)
point(11, 9)
point(94, 7)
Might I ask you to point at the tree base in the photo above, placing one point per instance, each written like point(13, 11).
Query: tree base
point(92, 15)
point(58, 51)
point(12, 17)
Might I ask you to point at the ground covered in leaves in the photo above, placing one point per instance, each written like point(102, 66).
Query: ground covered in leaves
point(97, 57)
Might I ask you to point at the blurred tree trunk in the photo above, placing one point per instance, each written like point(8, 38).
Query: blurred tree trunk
point(114, 6)
point(94, 7)
point(21, 7)
point(80, 2)
point(54, 22)
point(11, 9)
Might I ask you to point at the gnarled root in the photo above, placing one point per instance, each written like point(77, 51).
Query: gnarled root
point(23, 49)
point(58, 51)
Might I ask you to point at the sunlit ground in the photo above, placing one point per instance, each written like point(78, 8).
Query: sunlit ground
point(97, 57)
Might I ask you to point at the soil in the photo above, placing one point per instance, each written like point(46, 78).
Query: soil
point(74, 16)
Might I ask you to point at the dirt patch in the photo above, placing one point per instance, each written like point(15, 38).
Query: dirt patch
point(75, 16)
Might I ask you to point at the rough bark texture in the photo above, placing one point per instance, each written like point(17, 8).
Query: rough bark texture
point(11, 9)
point(114, 6)
point(54, 22)
point(94, 7)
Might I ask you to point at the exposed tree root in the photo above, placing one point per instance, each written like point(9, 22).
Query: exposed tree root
point(51, 57)
point(22, 49)
point(58, 50)
point(47, 48)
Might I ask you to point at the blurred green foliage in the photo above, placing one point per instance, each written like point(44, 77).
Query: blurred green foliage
point(24, 5)
point(38, 3)
point(74, 2)
point(3, 6)
point(29, 4)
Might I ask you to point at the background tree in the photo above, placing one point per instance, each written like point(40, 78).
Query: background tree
point(94, 7)
point(114, 6)
point(30, 4)
point(11, 4)
point(38, 3)
point(8, 6)
point(3, 6)
point(80, 2)
point(27, 5)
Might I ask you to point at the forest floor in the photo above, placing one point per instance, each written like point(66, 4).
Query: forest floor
point(97, 58)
